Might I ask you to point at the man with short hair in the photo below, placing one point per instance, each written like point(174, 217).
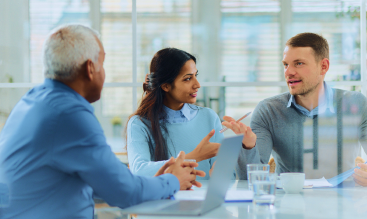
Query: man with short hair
point(53, 153)
point(312, 128)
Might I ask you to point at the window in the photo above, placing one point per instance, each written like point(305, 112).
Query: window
point(238, 45)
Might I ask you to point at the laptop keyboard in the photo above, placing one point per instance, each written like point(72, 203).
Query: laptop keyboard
point(183, 206)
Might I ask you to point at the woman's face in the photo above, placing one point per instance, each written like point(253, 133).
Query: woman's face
point(184, 88)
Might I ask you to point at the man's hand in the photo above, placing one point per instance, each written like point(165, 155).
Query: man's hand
point(249, 137)
point(360, 175)
point(195, 172)
point(186, 175)
point(205, 149)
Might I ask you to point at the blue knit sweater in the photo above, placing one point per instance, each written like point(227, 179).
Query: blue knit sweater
point(182, 137)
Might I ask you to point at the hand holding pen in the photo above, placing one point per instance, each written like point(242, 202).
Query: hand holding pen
point(249, 137)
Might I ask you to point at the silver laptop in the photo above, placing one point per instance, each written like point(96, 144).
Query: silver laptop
point(217, 187)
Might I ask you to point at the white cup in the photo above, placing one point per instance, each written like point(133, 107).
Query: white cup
point(292, 183)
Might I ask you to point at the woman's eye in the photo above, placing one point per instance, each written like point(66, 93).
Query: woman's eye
point(187, 79)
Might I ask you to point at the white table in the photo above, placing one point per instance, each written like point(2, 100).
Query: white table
point(347, 202)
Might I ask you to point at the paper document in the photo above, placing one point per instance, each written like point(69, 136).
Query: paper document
point(311, 183)
point(317, 183)
point(239, 195)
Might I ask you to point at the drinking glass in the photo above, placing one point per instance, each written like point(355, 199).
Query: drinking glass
point(253, 169)
point(190, 160)
point(264, 188)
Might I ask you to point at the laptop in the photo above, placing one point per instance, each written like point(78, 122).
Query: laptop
point(216, 192)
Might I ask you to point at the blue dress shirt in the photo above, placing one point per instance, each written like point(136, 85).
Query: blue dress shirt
point(53, 155)
point(185, 114)
point(321, 108)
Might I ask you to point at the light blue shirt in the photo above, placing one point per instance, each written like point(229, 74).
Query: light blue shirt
point(54, 155)
point(321, 108)
point(186, 128)
point(185, 114)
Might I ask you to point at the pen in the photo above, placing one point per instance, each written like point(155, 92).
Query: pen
point(225, 129)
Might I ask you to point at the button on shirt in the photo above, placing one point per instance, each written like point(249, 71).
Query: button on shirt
point(320, 109)
point(185, 114)
point(54, 155)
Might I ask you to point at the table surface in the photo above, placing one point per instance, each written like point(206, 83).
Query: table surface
point(343, 202)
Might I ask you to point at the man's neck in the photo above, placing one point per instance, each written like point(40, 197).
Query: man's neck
point(311, 100)
point(78, 86)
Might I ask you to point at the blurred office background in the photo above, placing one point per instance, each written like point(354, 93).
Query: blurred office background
point(238, 45)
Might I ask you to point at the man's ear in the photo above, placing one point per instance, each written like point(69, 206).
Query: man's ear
point(89, 69)
point(325, 64)
point(166, 87)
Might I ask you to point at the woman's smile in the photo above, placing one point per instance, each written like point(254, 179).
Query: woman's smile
point(194, 94)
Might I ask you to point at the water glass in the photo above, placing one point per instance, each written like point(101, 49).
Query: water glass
point(254, 169)
point(190, 160)
point(264, 185)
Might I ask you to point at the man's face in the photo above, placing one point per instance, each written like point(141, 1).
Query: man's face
point(302, 72)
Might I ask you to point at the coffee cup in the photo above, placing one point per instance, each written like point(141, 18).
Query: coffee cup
point(292, 183)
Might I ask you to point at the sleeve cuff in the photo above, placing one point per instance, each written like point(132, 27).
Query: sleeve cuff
point(244, 147)
point(173, 182)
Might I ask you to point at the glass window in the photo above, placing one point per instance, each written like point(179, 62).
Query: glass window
point(9, 98)
point(46, 15)
point(250, 34)
point(161, 24)
point(116, 33)
point(338, 22)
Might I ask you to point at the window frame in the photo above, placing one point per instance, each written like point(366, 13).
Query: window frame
point(95, 16)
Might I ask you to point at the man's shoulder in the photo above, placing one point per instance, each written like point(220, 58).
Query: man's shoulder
point(280, 100)
point(348, 93)
point(55, 99)
point(353, 96)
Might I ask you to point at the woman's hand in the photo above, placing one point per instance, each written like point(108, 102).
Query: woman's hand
point(249, 137)
point(205, 149)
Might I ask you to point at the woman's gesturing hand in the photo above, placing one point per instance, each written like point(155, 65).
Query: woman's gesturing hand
point(205, 149)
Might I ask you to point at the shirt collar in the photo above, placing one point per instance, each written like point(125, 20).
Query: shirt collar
point(329, 97)
point(58, 84)
point(185, 111)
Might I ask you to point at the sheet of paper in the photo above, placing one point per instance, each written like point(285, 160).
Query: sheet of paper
point(317, 183)
point(239, 195)
point(311, 183)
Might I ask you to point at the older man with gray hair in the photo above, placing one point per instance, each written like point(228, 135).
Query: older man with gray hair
point(53, 153)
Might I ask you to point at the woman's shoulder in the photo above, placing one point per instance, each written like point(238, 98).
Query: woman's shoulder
point(204, 111)
point(135, 120)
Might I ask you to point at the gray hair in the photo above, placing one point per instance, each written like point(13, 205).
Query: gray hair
point(67, 48)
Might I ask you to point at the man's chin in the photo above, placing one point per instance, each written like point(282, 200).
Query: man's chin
point(293, 91)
